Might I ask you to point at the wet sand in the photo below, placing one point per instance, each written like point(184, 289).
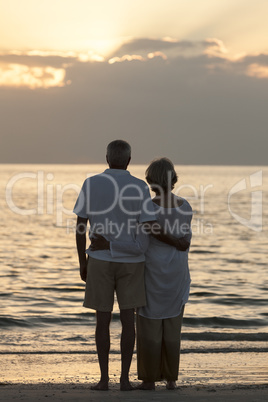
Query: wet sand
point(60, 392)
point(203, 377)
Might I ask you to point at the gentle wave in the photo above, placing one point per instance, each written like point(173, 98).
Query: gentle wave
point(232, 301)
point(42, 321)
point(89, 319)
point(223, 336)
point(117, 352)
point(222, 322)
point(202, 252)
point(67, 289)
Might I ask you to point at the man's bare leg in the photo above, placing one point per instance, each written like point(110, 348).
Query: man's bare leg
point(127, 347)
point(102, 337)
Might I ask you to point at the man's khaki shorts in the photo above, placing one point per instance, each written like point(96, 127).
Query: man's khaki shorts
point(105, 277)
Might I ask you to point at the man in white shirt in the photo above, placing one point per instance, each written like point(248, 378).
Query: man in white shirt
point(115, 203)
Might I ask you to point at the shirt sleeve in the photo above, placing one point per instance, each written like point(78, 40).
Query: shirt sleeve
point(126, 248)
point(147, 210)
point(188, 232)
point(80, 208)
point(186, 229)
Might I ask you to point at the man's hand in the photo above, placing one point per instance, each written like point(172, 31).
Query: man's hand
point(83, 272)
point(81, 229)
point(99, 242)
point(182, 244)
point(158, 232)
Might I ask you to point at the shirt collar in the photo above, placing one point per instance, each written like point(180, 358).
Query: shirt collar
point(116, 171)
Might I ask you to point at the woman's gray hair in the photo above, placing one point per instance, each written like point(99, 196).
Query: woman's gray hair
point(161, 174)
point(118, 153)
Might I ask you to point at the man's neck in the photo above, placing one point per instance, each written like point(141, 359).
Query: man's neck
point(118, 167)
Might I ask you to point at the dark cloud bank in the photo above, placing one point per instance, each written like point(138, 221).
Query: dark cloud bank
point(194, 110)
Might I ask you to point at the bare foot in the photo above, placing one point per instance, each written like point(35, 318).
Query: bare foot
point(146, 386)
point(101, 386)
point(171, 385)
point(126, 386)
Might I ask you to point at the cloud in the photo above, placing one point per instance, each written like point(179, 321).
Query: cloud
point(255, 66)
point(258, 71)
point(18, 75)
point(40, 69)
point(210, 54)
point(52, 58)
point(172, 47)
point(202, 109)
point(126, 57)
point(37, 69)
point(214, 47)
point(152, 55)
point(36, 59)
point(151, 45)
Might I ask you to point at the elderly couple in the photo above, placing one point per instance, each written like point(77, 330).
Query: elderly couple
point(139, 249)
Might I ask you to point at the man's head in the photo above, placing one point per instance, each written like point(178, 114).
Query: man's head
point(118, 154)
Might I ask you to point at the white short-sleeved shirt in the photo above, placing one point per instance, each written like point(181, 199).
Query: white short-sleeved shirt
point(116, 203)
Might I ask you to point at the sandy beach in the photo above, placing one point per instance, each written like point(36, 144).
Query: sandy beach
point(59, 392)
point(63, 377)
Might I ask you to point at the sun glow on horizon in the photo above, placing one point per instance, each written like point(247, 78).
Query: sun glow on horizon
point(99, 26)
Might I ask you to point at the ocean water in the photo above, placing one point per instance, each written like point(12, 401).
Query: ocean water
point(41, 292)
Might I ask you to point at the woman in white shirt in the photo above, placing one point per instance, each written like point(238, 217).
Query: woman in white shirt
point(167, 283)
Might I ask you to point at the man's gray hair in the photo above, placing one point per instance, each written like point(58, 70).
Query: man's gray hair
point(118, 153)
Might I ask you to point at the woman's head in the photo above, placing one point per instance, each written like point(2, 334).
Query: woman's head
point(161, 175)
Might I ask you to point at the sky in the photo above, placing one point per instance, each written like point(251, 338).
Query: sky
point(185, 80)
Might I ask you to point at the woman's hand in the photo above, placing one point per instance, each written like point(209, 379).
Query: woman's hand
point(99, 242)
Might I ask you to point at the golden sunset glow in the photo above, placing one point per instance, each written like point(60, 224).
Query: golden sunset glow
point(157, 54)
point(101, 26)
point(126, 57)
point(107, 31)
point(217, 48)
point(258, 71)
point(17, 75)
